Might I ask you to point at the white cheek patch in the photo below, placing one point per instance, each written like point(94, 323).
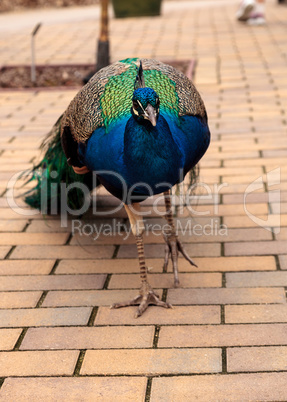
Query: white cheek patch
point(135, 112)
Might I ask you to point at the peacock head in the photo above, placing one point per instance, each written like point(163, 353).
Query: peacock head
point(145, 105)
point(145, 100)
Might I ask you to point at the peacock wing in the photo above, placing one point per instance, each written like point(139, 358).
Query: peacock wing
point(178, 95)
point(106, 98)
point(102, 101)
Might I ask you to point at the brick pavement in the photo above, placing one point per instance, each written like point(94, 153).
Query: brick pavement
point(226, 337)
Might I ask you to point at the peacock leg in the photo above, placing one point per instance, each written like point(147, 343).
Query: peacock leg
point(173, 244)
point(146, 295)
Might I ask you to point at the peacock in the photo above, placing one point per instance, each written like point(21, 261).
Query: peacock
point(140, 125)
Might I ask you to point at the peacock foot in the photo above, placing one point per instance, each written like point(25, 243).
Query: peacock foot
point(172, 247)
point(146, 297)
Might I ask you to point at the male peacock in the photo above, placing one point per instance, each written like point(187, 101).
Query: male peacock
point(141, 126)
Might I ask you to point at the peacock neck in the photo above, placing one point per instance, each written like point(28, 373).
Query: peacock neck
point(150, 151)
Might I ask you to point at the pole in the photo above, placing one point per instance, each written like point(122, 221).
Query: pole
point(103, 55)
point(33, 64)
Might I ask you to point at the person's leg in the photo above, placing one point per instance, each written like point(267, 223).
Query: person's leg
point(257, 16)
point(245, 9)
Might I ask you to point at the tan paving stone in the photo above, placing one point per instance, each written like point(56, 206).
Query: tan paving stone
point(235, 387)
point(18, 213)
point(271, 358)
point(45, 317)
point(282, 235)
point(227, 210)
point(255, 248)
point(88, 338)
point(26, 267)
point(222, 335)
point(74, 252)
point(190, 280)
point(19, 299)
point(151, 361)
point(256, 279)
point(283, 261)
point(226, 296)
point(9, 337)
point(272, 220)
point(223, 264)
point(36, 363)
point(52, 282)
point(158, 316)
point(256, 314)
point(33, 238)
point(4, 250)
point(106, 266)
point(124, 389)
point(12, 226)
point(153, 251)
point(88, 297)
point(73, 225)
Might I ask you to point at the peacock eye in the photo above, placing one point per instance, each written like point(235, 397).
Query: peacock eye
point(135, 105)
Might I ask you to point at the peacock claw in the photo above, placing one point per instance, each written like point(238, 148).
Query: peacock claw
point(172, 247)
point(146, 297)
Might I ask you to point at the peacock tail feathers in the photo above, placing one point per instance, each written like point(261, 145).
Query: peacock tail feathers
point(52, 176)
point(106, 97)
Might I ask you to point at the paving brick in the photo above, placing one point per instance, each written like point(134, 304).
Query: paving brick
point(14, 239)
point(190, 232)
point(151, 361)
point(270, 358)
point(256, 314)
point(12, 226)
point(190, 280)
point(8, 338)
point(235, 387)
point(230, 210)
point(26, 267)
point(4, 250)
point(256, 279)
point(36, 363)
point(124, 389)
point(106, 266)
point(227, 264)
point(88, 338)
point(52, 282)
point(222, 335)
point(19, 213)
point(283, 261)
point(89, 297)
point(226, 296)
point(272, 220)
point(71, 252)
point(157, 250)
point(158, 316)
point(253, 198)
point(45, 317)
point(73, 225)
point(282, 235)
point(19, 299)
point(255, 248)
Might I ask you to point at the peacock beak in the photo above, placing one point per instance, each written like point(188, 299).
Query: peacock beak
point(150, 114)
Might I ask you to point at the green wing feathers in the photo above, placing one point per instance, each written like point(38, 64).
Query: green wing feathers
point(107, 96)
point(52, 176)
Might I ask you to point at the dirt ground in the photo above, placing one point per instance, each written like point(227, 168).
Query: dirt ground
point(51, 76)
point(11, 5)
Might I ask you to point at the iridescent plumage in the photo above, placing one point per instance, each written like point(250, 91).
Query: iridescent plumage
point(141, 126)
point(115, 134)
